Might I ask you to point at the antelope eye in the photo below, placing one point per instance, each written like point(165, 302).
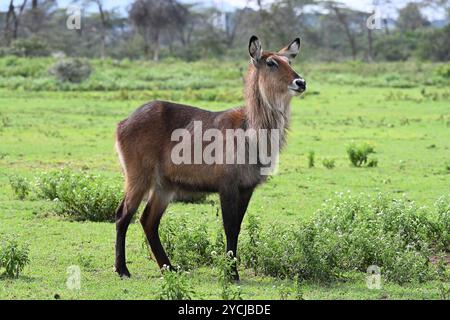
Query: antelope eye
point(271, 63)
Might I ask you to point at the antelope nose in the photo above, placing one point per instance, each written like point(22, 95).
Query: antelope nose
point(301, 84)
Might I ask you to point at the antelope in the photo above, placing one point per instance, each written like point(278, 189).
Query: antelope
point(144, 144)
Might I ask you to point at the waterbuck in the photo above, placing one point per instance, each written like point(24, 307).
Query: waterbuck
point(144, 143)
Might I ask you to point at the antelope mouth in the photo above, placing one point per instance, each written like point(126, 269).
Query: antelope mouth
point(296, 91)
point(298, 86)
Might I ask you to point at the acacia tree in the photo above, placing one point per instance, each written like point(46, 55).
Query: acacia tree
point(152, 17)
point(104, 24)
point(342, 17)
point(13, 21)
point(410, 18)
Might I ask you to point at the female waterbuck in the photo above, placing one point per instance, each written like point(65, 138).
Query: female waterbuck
point(145, 144)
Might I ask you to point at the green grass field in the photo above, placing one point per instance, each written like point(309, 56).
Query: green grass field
point(403, 110)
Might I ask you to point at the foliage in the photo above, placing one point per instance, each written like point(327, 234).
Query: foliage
point(224, 265)
point(80, 195)
point(20, 185)
point(71, 70)
point(443, 71)
point(174, 286)
point(13, 256)
point(329, 163)
point(396, 46)
point(311, 156)
point(187, 243)
point(252, 242)
point(352, 233)
point(31, 47)
point(434, 45)
point(358, 155)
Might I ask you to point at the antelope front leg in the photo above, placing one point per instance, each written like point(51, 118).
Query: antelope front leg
point(231, 222)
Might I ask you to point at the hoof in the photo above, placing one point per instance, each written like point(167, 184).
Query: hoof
point(123, 272)
point(169, 268)
point(235, 277)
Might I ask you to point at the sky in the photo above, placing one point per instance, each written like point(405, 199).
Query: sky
point(363, 5)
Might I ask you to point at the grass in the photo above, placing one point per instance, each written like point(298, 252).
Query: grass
point(405, 118)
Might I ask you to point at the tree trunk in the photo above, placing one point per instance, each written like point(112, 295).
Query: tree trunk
point(103, 31)
point(10, 18)
point(386, 26)
point(156, 47)
point(348, 33)
point(370, 45)
point(34, 16)
point(16, 24)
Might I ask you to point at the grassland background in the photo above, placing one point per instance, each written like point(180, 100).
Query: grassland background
point(400, 108)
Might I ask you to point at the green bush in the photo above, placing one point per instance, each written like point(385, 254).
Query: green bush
point(81, 196)
point(252, 241)
point(20, 185)
point(186, 242)
point(224, 265)
point(31, 47)
point(434, 45)
point(71, 70)
point(443, 71)
point(350, 234)
point(396, 46)
point(174, 286)
point(13, 256)
point(359, 154)
point(329, 163)
point(311, 156)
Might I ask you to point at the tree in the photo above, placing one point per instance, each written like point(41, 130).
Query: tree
point(435, 45)
point(104, 24)
point(410, 18)
point(13, 21)
point(152, 17)
point(343, 17)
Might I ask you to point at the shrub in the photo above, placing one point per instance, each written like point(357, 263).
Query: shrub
point(443, 71)
point(252, 242)
point(186, 242)
point(358, 155)
point(174, 286)
point(329, 163)
point(32, 47)
point(351, 233)
point(80, 195)
point(395, 47)
point(311, 156)
point(224, 265)
point(20, 185)
point(434, 45)
point(13, 256)
point(71, 70)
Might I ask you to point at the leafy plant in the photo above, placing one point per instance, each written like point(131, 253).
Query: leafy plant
point(224, 264)
point(311, 156)
point(296, 291)
point(329, 163)
point(252, 242)
point(187, 243)
point(13, 256)
point(71, 70)
point(81, 196)
point(20, 186)
point(351, 233)
point(358, 155)
point(174, 286)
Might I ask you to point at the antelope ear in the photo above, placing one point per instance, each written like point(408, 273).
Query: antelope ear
point(255, 49)
point(292, 50)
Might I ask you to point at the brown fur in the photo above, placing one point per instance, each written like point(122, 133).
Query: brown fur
point(143, 142)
